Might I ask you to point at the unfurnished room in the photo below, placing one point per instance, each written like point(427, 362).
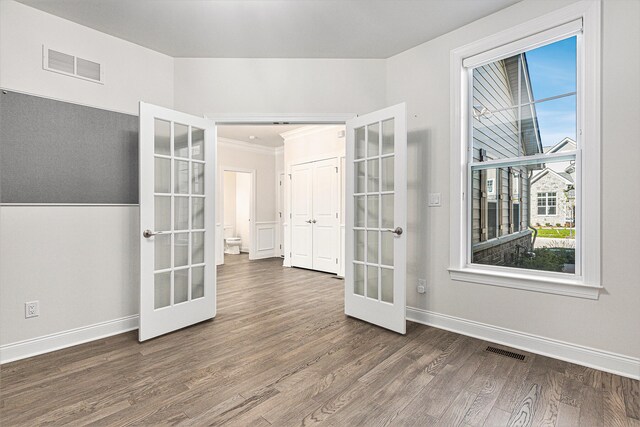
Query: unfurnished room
point(320, 212)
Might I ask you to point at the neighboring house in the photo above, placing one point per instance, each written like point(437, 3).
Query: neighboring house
point(500, 196)
point(552, 190)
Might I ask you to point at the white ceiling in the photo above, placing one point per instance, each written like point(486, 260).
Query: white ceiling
point(266, 135)
point(274, 28)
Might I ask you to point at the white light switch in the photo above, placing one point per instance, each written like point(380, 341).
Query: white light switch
point(434, 199)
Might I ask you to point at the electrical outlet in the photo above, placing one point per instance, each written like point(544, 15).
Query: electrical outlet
point(422, 286)
point(434, 199)
point(31, 309)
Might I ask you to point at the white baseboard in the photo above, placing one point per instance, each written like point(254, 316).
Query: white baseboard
point(598, 359)
point(60, 340)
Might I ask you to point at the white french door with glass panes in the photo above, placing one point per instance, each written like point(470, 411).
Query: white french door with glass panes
point(177, 182)
point(376, 221)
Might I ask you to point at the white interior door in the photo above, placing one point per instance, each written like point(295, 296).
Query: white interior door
point(325, 222)
point(177, 220)
point(302, 216)
point(376, 219)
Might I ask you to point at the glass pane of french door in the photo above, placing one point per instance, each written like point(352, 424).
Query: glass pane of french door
point(374, 192)
point(179, 213)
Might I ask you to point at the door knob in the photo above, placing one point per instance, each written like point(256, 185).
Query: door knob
point(308, 221)
point(313, 221)
point(397, 231)
point(148, 233)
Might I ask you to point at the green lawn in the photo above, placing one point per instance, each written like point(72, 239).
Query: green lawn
point(556, 233)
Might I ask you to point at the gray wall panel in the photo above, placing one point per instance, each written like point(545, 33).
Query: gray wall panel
point(57, 152)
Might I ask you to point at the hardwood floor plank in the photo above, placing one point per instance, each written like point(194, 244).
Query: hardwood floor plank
point(631, 391)
point(281, 352)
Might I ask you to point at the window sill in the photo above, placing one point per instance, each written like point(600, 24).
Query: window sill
point(548, 285)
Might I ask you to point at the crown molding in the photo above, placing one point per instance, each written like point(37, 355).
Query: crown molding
point(308, 130)
point(246, 146)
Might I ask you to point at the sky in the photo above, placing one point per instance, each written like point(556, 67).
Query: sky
point(552, 70)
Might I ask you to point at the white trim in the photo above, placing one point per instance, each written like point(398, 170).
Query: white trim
point(588, 224)
point(73, 205)
point(59, 340)
point(283, 119)
point(246, 146)
point(307, 130)
point(538, 283)
point(593, 358)
point(553, 34)
point(21, 92)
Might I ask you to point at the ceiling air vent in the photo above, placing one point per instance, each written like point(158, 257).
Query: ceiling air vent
point(59, 62)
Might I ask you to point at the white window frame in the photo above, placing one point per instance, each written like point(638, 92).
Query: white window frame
point(536, 32)
point(547, 196)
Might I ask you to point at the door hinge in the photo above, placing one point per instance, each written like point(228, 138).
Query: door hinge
point(336, 169)
point(280, 246)
point(289, 254)
point(289, 216)
point(289, 176)
point(336, 214)
point(336, 260)
point(280, 213)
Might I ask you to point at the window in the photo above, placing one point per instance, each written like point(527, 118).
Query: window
point(525, 149)
point(547, 204)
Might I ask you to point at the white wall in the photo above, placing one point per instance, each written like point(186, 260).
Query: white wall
point(420, 76)
point(80, 262)
point(229, 203)
point(244, 86)
point(132, 73)
point(243, 205)
point(263, 162)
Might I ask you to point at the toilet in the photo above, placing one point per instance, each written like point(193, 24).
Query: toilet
point(232, 245)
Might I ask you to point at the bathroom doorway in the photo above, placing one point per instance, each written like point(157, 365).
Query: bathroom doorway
point(237, 212)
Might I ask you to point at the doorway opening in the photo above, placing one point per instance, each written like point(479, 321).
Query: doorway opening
point(237, 187)
point(281, 193)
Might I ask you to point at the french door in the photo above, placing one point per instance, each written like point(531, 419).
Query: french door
point(376, 219)
point(177, 220)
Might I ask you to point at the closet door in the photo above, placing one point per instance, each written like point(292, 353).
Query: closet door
point(302, 215)
point(325, 222)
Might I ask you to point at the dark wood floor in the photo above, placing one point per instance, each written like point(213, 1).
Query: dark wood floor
point(281, 352)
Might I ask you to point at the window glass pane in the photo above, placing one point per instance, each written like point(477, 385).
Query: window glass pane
point(197, 144)
point(358, 279)
point(386, 285)
point(180, 249)
point(358, 245)
point(162, 213)
point(373, 140)
point(372, 282)
point(162, 289)
point(525, 104)
point(360, 178)
point(197, 177)
point(372, 211)
point(360, 149)
point(197, 248)
point(387, 136)
point(181, 179)
point(180, 286)
point(197, 282)
point(181, 212)
point(373, 174)
point(180, 140)
point(162, 175)
point(359, 220)
point(387, 173)
point(536, 232)
point(162, 137)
